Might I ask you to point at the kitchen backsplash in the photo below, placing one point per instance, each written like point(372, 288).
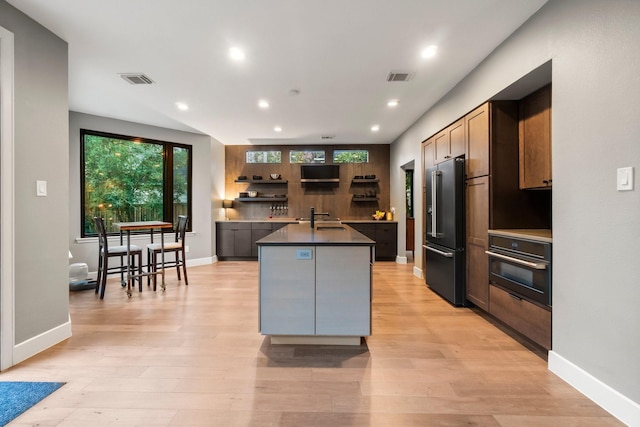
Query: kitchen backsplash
point(363, 188)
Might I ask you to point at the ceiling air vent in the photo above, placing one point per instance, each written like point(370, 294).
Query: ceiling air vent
point(137, 79)
point(399, 76)
point(327, 136)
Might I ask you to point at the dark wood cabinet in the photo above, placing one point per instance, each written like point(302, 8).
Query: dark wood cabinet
point(492, 183)
point(386, 241)
point(428, 153)
point(530, 320)
point(385, 234)
point(535, 140)
point(258, 231)
point(236, 240)
point(450, 142)
point(233, 239)
point(477, 130)
point(477, 229)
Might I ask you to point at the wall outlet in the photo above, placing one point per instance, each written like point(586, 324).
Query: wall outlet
point(304, 254)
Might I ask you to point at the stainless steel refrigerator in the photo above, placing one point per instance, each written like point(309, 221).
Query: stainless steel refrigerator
point(445, 234)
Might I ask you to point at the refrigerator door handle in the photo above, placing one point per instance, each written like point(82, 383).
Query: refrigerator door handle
point(434, 203)
point(439, 252)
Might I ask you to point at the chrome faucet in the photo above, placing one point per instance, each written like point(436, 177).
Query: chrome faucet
point(313, 215)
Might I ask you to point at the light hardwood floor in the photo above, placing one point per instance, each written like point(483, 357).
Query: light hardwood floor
point(192, 356)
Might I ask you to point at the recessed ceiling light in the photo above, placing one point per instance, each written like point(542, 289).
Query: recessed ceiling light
point(236, 54)
point(263, 103)
point(277, 129)
point(429, 51)
point(375, 128)
point(182, 106)
point(392, 103)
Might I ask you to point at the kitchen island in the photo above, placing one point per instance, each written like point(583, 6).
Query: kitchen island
point(315, 284)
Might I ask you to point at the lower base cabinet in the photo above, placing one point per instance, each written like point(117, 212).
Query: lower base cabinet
point(385, 234)
point(530, 320)
point(236, 240)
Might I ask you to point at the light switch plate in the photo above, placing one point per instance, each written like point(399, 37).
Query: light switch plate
point(625, 179)
point(41, 188)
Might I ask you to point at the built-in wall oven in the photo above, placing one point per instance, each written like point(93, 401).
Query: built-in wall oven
point(521, 267)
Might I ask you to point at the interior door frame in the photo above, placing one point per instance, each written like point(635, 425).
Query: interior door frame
point(7, 221)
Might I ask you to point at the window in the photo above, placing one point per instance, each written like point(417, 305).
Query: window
point(306, 156)
point(350, 156)
point(264, 157)
point(125, 178)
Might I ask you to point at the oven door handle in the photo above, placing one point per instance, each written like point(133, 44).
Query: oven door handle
point(534, 265)
point(444, 254)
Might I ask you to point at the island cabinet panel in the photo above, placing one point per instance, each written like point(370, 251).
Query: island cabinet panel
point(287, 291)
point(343, 271)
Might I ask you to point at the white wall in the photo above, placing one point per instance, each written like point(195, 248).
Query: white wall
point(206, 184)
point(40, 301)
point(595, 57)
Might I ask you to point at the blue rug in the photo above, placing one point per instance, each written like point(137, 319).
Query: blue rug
point(17, 397)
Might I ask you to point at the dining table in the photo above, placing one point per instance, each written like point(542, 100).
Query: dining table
point(143, 226)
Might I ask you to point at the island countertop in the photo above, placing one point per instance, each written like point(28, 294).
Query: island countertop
point(324, 233)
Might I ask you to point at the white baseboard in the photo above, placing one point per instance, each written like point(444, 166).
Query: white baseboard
point(35, 345)
point(614, 402)
point(401, 259)
point(417, 271)
point(201, 261)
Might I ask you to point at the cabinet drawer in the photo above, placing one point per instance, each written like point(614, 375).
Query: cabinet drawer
point(530, 320)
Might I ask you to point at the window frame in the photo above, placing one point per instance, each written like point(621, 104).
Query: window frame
point(167, 175)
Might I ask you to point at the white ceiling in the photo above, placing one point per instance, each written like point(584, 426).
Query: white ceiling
point(337, 53)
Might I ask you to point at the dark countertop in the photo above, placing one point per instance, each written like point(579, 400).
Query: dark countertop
point(542, 235)
point(301, 234)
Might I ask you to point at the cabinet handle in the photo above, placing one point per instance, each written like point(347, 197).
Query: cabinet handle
point(515, 297)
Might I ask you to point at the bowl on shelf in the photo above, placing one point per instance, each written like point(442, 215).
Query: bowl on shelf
point(257, 177)
point(358, 177)
point(243, 194)
point(242, 178)
point(275, 176)
point(369, 177)
point(252, 193)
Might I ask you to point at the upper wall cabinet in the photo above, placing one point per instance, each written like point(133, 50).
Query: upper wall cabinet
point(450, 142)
point(477, 129)
point(535, 140)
